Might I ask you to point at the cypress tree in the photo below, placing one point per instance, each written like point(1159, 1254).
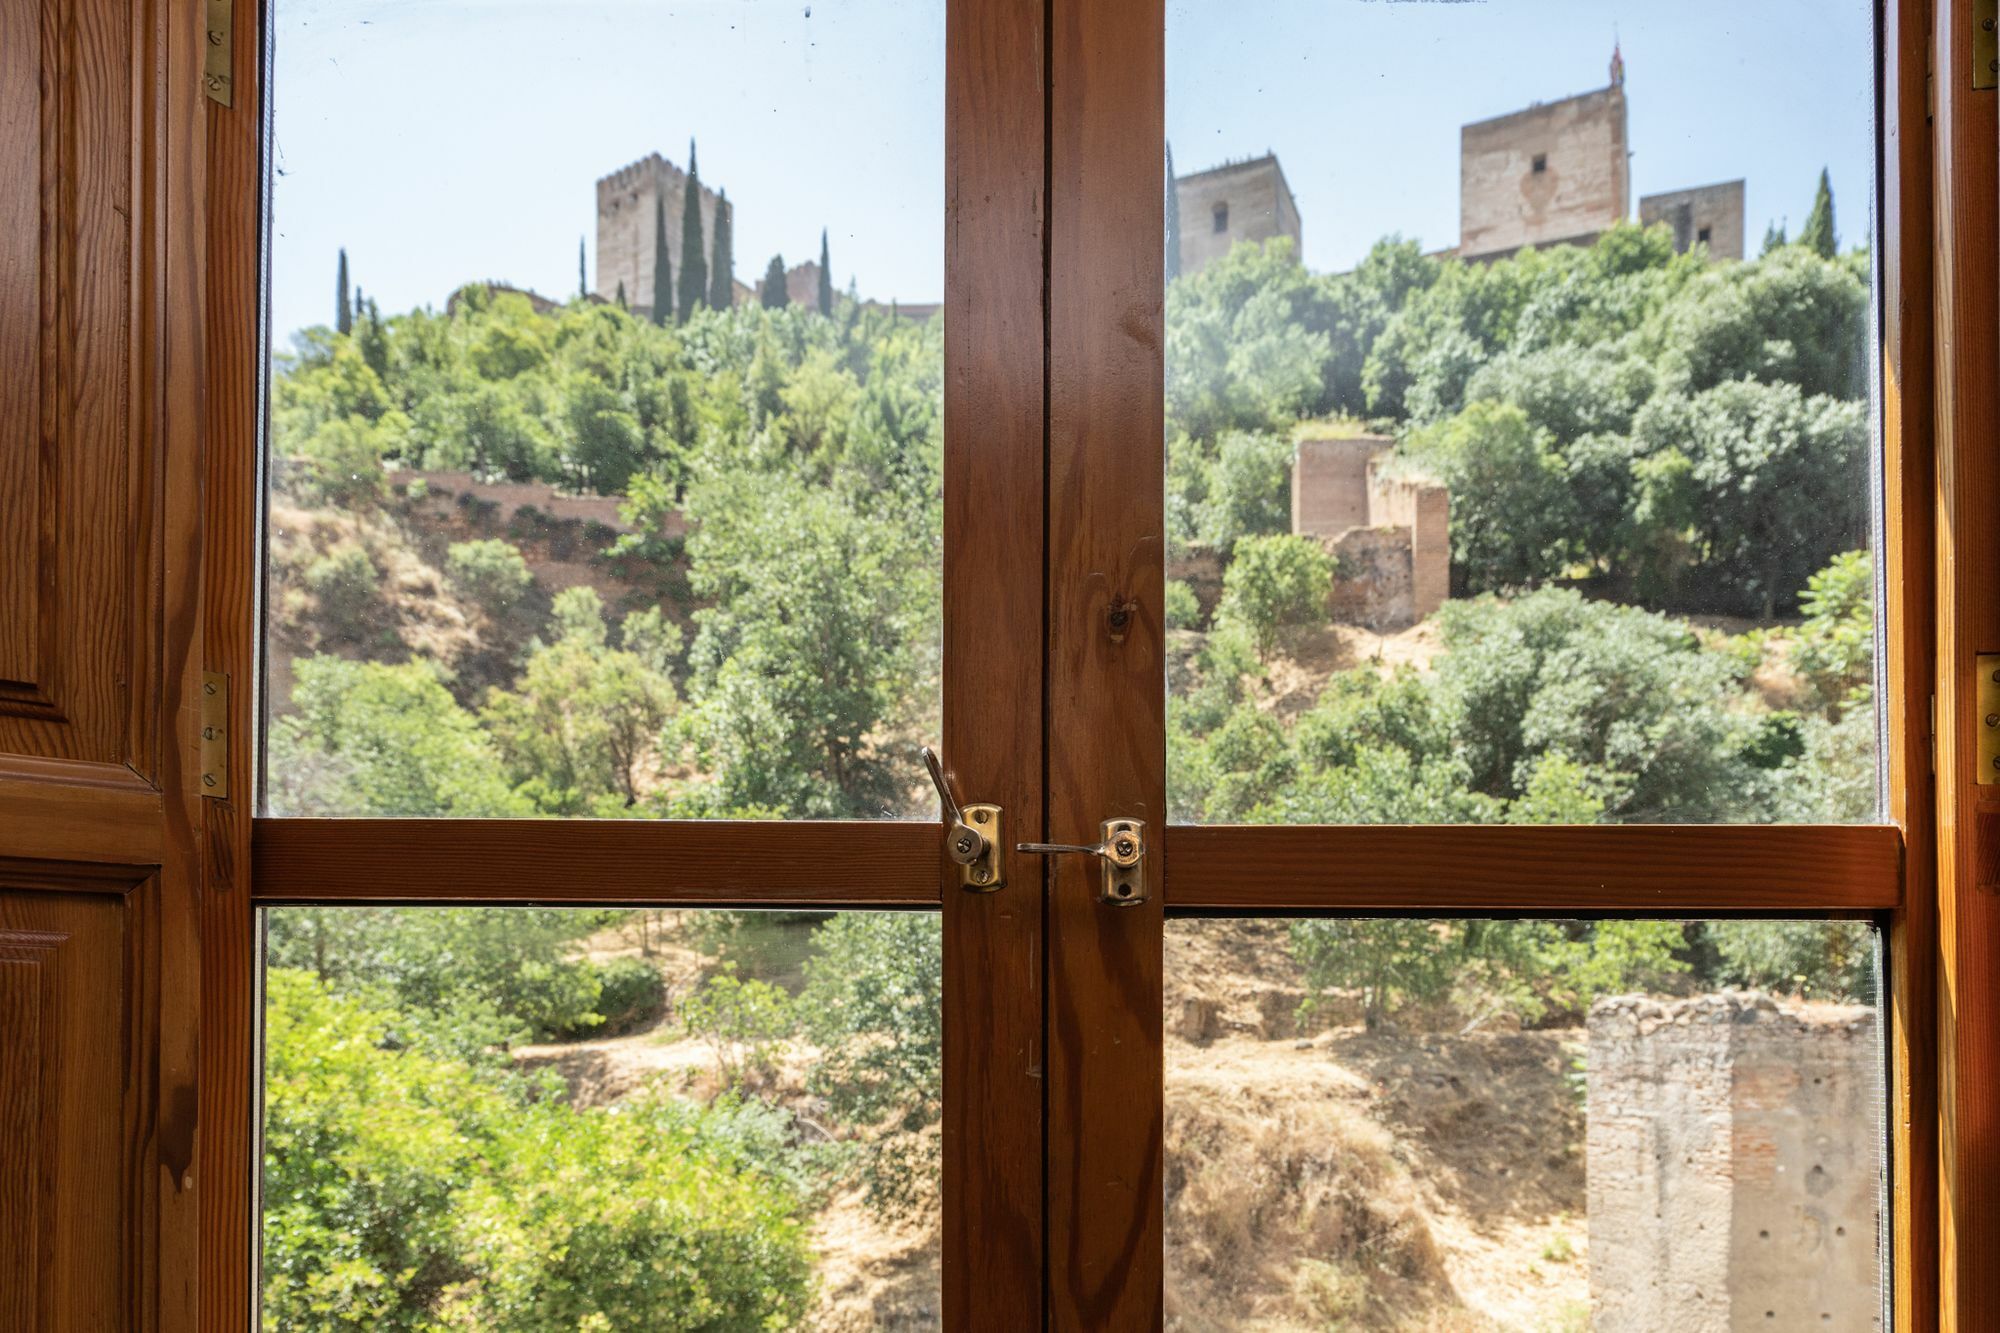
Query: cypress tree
point(722, 266)
point(663, 265)
point(1173, 221)
point(771, 292)
point(825, 277)
point(621, 295)
point(1774, 237)
point(582, 283)
point(1818, 234)
point(343, 311)
point(694, 267)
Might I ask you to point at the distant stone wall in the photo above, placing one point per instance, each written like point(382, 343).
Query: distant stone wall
point(1423, 507)
point(1340, 487)
point(510, 497)
point(1734, 1151)
point(1372, 577)
point(1710, 215)
point(626, 203)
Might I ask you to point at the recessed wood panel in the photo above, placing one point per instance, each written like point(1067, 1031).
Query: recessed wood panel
point(65, 1167)
point(20, 328)
point(76, 452)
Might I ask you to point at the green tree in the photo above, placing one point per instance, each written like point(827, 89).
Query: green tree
point(806, 645)
point(1249, 489)
point(1774, 238)
point(1818, 235)
point(694, 250)
point(663, 266)
point(1513, 516)
point(343, 311)
point(1835, 648)
point(771, 293)
point(577, 731)
point(365, 738)
point(582, 276)
point(871, 1006)
point(1274, 582)
point(825, 277)
point(722, 266)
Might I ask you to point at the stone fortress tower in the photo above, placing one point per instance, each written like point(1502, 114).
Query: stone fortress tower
point(1551, 173)
point(1560, 172)
point(625, 206)
point(1237, 201)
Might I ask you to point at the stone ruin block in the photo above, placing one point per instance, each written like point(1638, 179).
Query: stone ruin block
point(1735, 1165)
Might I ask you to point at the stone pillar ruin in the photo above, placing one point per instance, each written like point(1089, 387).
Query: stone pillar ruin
point(1734, 1165)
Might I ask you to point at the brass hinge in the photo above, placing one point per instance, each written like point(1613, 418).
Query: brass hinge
point(1985, 43)
point(215, 734)
point(1987, 693)
point(215, 63)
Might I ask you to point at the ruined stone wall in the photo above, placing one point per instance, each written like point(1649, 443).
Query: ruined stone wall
point(1734, 1155)
point(1259, 203)
point(1330, 483)
point(1583, 185)
point(625, 202)
point(1423, 507)
point(1710, 215)
point(1371, 578)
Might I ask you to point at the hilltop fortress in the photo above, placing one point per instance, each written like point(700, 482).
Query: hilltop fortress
point(1552, 173)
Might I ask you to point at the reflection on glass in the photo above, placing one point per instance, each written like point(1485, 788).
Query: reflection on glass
point(605, 408)
point(1517, 471)
point(534, 1119)
point(1546, 1125)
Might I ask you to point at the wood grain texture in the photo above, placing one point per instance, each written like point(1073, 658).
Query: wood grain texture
point(1908, 605)
point(43, 817)
point(721, 862)
point(68, 1159)
point(1106, 667)
point(1966, 204)
point(78, 484)
point(231, 555)
point(1535, 868)
point(993, 596)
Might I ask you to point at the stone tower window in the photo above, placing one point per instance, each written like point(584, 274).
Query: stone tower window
point(1222, 217)
point(1541, 163)
point(1702, 236)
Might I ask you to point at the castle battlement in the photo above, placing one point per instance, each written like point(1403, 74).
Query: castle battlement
point(627, 200)
point(647, 169)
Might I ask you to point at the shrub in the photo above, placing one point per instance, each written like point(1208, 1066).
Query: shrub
point(1831, 960)
point(344, 583)
point(409, 1191)
point(1835, 652)
point(1183, 607)
point(742, 1020)
point(630, 991)
point(490, 572)
point(1274, 582)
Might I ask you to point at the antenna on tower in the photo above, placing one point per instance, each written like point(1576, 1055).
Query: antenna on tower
point(1617, 60)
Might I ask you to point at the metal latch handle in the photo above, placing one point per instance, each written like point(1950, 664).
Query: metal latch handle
point(972, 838)
point(1123, 851)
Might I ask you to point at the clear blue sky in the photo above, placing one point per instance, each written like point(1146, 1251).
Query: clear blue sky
point(447, 140)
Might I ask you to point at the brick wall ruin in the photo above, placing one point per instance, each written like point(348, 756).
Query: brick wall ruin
point(1400, 571)
point(1734, 1162)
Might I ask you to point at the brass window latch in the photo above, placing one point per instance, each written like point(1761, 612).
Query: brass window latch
point(1122, 851)
point(972, 838)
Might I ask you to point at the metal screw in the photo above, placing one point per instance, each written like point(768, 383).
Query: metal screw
point(1993, 719)
point(966, 844)
point(979, 876)
point(1125, 846)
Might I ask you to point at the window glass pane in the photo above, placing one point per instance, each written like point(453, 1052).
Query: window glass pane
point(537, 1119)
point(1520, 430)
point(1619, 1126)
point(605, 408)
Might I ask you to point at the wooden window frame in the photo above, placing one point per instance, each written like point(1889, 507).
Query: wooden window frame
point(1081, 194)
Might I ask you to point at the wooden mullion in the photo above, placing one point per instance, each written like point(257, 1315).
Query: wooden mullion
point(1677, 869)
point(721, 863)
point(232, 504)
point(1107, 706)
point(1908, 582)
point(994, 460)
point(1966, 200)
